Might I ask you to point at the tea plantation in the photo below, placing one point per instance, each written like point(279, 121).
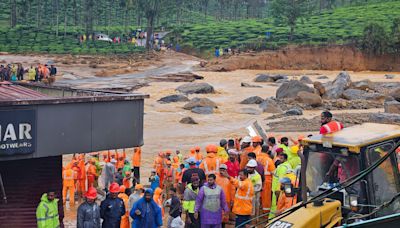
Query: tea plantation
point(341, 25)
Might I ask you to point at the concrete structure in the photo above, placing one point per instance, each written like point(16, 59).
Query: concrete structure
point(37, 129)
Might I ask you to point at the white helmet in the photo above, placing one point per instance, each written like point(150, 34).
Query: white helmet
point(246, 139)
point(252, 164)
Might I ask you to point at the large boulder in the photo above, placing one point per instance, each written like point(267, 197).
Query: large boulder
point(269, 78)
point(291, 89)
point(270, 106)
point(392, 107)
point(389, 118)
point(264, 78)
point(363, 85)
point(250, 111)
point(396, 94)
point(338, 86)
point(294, 112)
point(200, 102)
point(309, 98)
point(356, 94)
point(194, 87)
point(174, 98)
point(203, 110)
point(306, 80)
point(252, 100)
point(188, 120)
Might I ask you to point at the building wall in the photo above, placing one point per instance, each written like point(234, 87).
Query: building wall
point(25, 181)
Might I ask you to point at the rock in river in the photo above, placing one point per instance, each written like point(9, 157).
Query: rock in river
point(194, 87)
point(188, 120)
point(203, 110)
point(291, 89)
point(173, 98)
point(200, 102)
point(252, 100)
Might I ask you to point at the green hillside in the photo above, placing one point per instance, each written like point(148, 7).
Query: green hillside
point(195, 29)
point(341, 25)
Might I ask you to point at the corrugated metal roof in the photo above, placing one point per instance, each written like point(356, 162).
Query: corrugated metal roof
point(12, 92)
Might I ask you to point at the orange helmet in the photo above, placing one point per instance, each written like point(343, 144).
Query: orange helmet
point(114, 188)
point(105, 153)
point(256, 139)
point(168, 162)
point(168, 152)
point(301, 137)
point(122, 189)
point(127, 173)
point(197, 148)
point(91, 193)
point(211, 148)
point(139, 187)
point(192, 150)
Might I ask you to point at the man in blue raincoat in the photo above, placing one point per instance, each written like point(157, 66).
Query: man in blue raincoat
point(146, 213)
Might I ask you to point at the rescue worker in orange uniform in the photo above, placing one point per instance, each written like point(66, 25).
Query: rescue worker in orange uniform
point(328, 125)
point(158, 165)
point(286, 202)
point(245, 149)
point(243, 201)
point(106, 158)
point(125, 218)
point(92, 174)
point(121, 159)
point(136, 162)
point(158, 198)
point(228, 189)
point(199, 157)
point(127, 182)
point(169, 176)
point(69, 176)
point(77, 177)
point(265, 159)
point(257, 143)
point(211, 163)
point(82, 177)
point(192, 153)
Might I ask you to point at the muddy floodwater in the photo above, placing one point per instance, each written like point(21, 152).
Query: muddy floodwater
point(162, 130)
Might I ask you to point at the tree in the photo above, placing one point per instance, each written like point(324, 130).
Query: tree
point(396, 34)
point(288, 11)
point(13, 16)
point(375, 39)
point(151, 10)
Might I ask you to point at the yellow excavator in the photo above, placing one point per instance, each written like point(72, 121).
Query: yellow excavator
point(349, 178)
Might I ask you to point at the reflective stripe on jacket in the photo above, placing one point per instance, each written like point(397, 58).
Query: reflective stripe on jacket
point(243, 202)
point(47, 213)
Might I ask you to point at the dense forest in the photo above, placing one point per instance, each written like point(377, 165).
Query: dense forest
point(54, 25)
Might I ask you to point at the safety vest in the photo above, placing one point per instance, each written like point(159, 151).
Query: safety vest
point(243, 202)
point(168, 174)
point(207, 171)
point(212, 200)
point(332, 127)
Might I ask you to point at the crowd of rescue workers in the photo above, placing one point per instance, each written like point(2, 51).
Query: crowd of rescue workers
point(239, 182)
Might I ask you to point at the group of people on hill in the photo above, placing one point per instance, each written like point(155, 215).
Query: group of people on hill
point(241, 182)
point(16, 72)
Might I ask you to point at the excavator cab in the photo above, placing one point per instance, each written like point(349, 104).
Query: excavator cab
point(330, 160)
